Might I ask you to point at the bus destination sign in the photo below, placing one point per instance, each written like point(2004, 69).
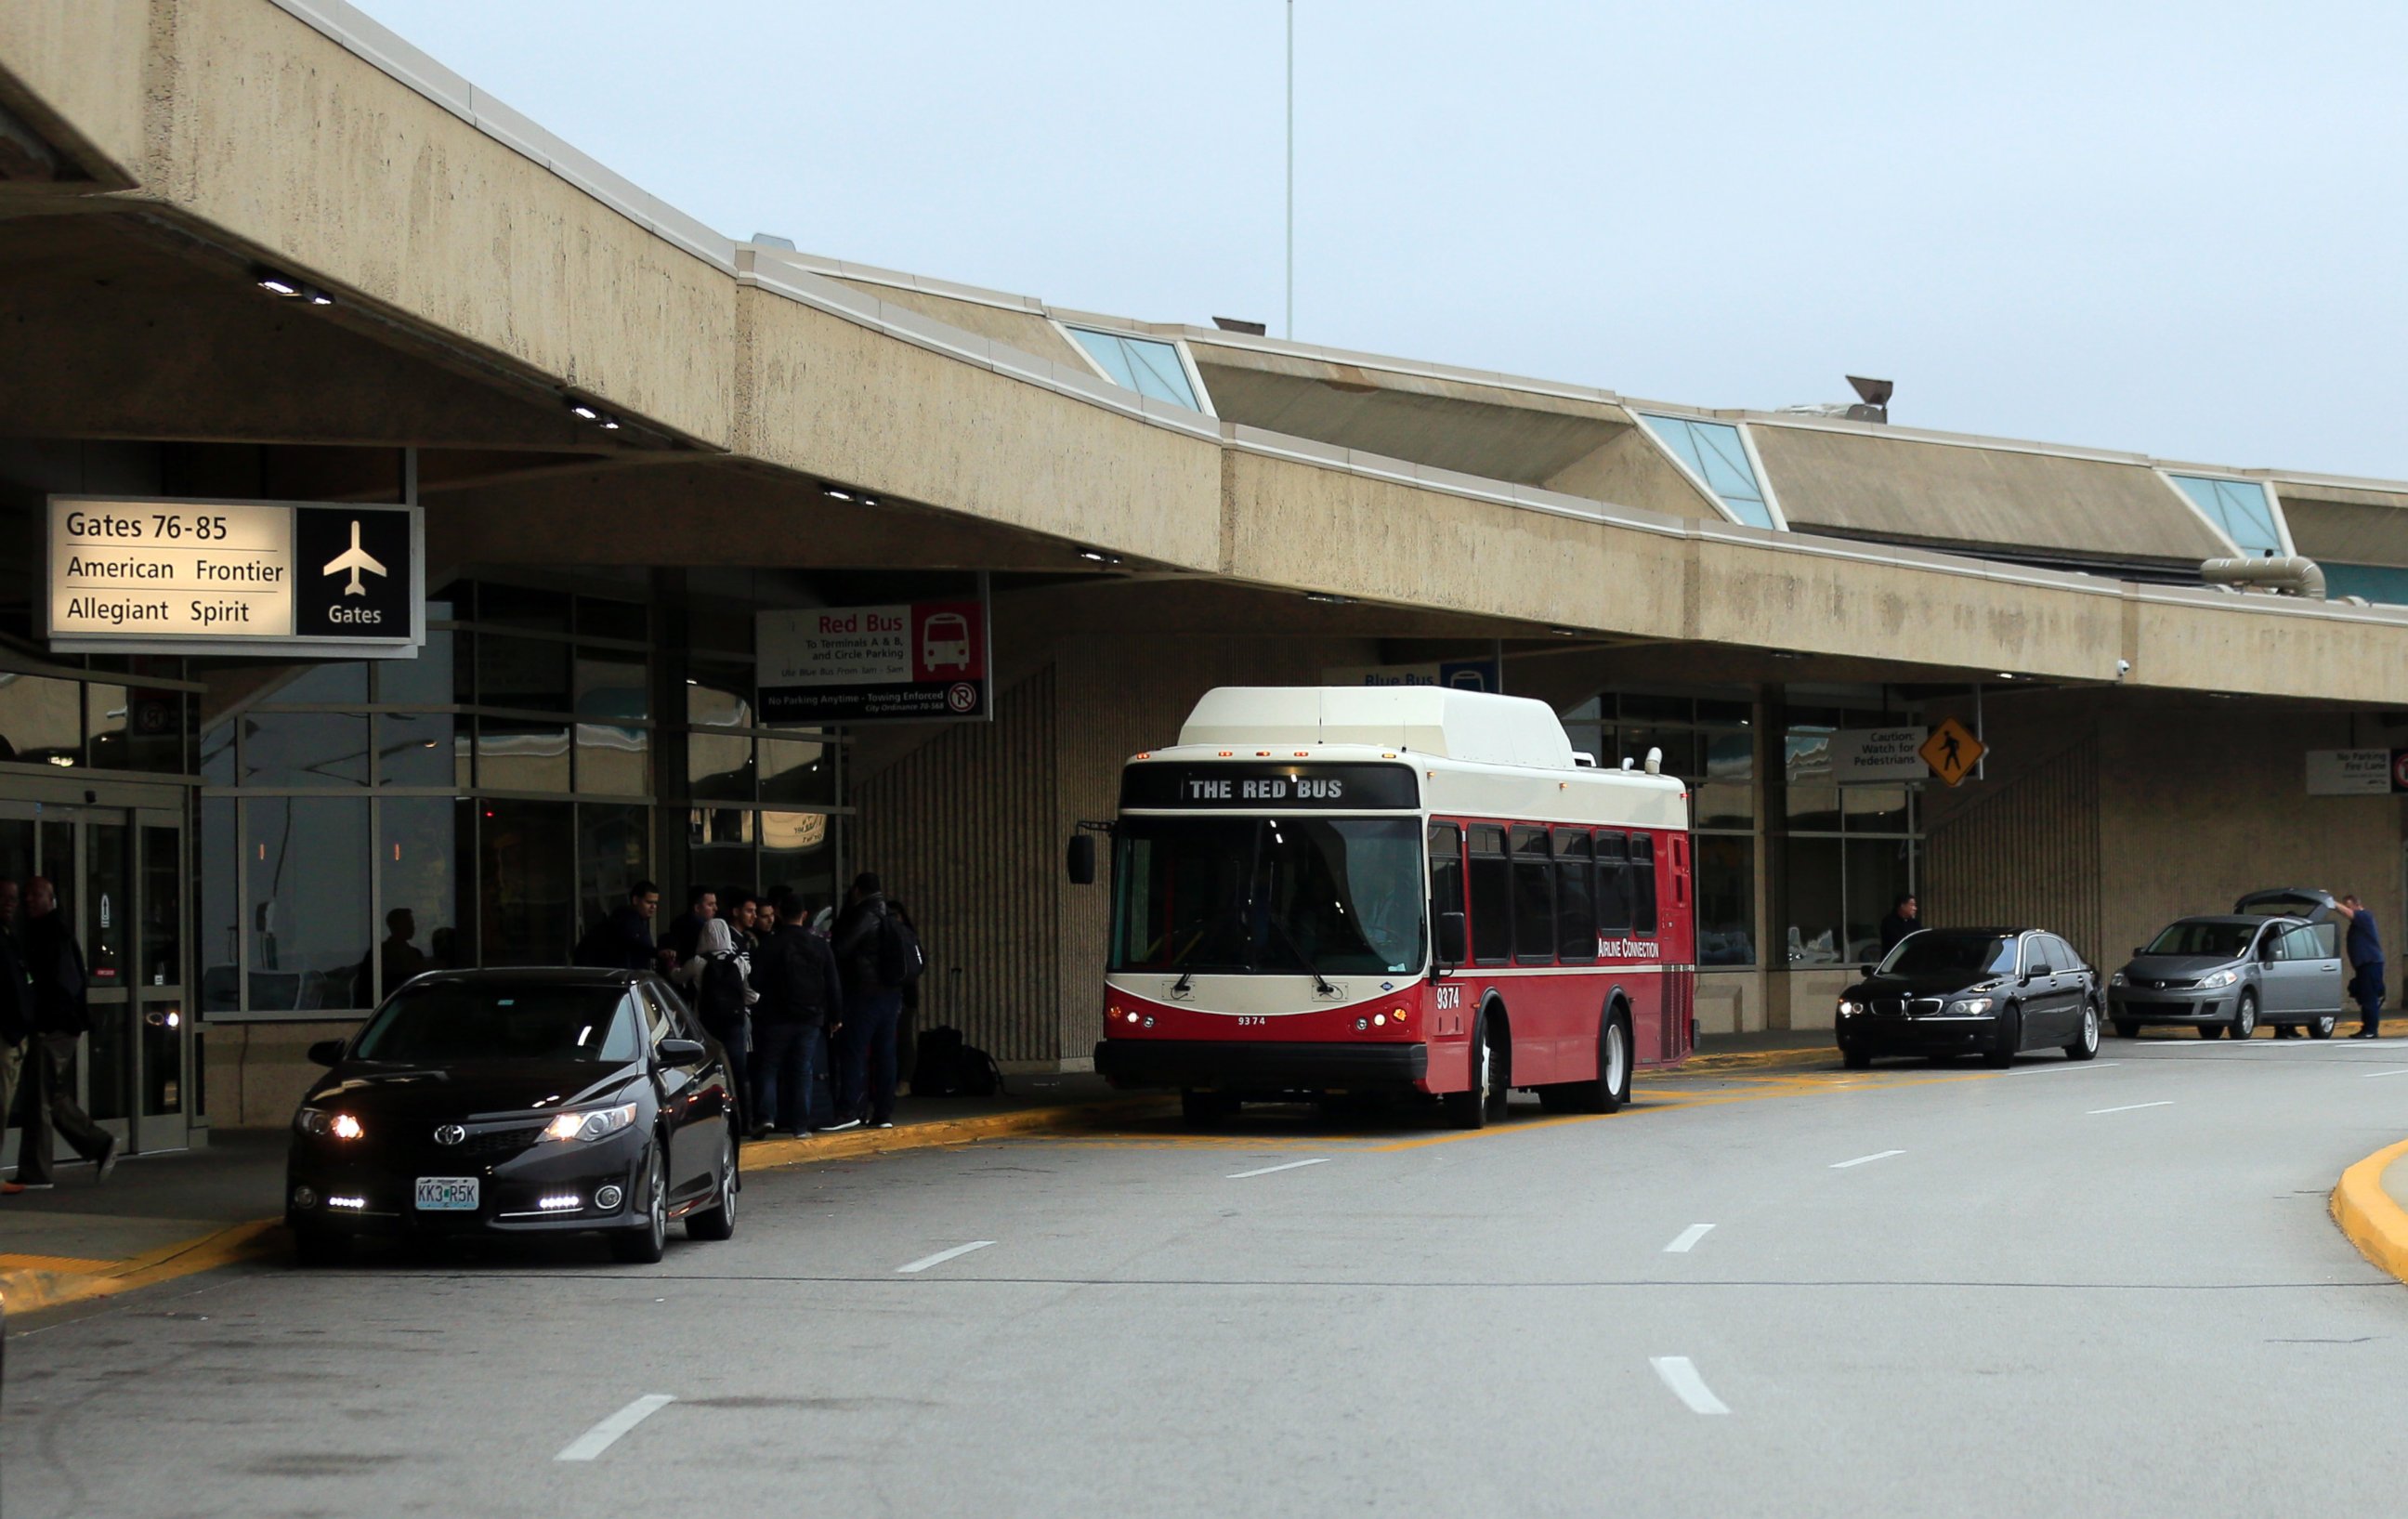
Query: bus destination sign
point(1253, 788)
point(234, 577)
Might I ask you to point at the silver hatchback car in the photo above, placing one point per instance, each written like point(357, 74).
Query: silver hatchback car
point(2276, 959)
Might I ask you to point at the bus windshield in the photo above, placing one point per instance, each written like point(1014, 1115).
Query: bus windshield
point(1320, 896)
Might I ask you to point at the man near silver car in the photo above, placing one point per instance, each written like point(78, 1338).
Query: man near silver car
point(2365, 948)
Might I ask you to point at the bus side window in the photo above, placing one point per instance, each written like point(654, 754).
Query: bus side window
point(1534, 899)
point(1575, 898)
point(1643, 884)
point(1612, 886)
point(1445, 872)
point(1492, 897)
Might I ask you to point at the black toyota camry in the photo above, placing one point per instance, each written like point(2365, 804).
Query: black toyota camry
point(516, 1102)
point(1993, 992)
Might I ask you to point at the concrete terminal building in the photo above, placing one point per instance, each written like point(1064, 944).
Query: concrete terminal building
point(264, 251)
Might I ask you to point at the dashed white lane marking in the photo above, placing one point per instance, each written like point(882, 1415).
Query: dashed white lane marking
point(2402, 1071)
point(1686, 1385)
point(2132, 1106)
point(591, 1444)
point(2068, 1065)
point(940, 1257)
point(1687, 1240)
point(1317, 1160)
point(1863, 1160)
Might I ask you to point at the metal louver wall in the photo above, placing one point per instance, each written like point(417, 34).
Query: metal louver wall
point(963, 831)
point(2027, 854)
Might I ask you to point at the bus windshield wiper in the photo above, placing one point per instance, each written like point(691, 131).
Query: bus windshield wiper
point(1320, 983)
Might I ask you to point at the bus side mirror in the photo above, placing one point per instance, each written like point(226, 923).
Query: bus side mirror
point(1081, 859)
point(1452, 939)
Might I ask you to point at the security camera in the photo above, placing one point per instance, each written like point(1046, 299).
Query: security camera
point(2123, 669)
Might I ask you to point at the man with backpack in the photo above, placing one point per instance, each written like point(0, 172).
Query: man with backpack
point(800, 990)
point(718, 980)
point(880, 955)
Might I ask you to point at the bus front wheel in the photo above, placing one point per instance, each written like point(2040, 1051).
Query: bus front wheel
point(1612, 1088)
point(1484, 1103)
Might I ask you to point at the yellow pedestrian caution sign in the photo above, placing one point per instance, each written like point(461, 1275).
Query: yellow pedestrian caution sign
point(1952, 751)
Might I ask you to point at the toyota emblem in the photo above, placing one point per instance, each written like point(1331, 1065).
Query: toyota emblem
point(450, 1134)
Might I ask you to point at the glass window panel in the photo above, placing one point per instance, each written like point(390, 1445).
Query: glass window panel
point(526, 898)
point(719, 765)
point(2238, 507)
point(612, 688)
point(613, 759)
point(1534, 899)
point(797, 851)
point(1575, 900)
point(464, 669)
point(1638, 707)
point(1730, 757)
point(526, 607)
point(718, 845)
point(340, 683)
point(41, 720)
point(1726, 806)
point(1718, 455)
point(1492, 905)
point(1680, 747)
point(1874, 809)
point(306, 884)
point(1711, 710)
point(1807, 755)
point(415, 749)
point(613, 852)
point(1814, 808)
point(1447, 871)
point(521, 672)
point(425, 679)
point(416, 856)
point(218, 847)
point(796, 770)
point(1643, 884)
point(217, 753)
point(104, 726)
point(1725, 902)
point(162, 1056)
point(157, 723)
point(514, 754)
point(1142, 364)
point(162, 908)
point(305, 748)
point(599, 617)
point(2381, 583)
point(1877, 871)
point(1588, 739)
point(1814, 934)
point(719, 699)
point(108, 905)
point(1588, 711)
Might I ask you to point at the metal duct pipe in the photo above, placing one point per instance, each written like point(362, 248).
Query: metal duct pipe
point(2293, 576)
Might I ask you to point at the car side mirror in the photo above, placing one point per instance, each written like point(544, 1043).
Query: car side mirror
point(1868, 972)
point(683, 1052)
point(1454, 939)
point(1081, 859)
point(2140, 950)
point(326, 1053)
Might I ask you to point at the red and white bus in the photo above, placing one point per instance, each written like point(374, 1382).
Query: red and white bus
point(1415, 889)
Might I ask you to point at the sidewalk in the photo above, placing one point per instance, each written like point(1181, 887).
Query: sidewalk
point(168, 1215)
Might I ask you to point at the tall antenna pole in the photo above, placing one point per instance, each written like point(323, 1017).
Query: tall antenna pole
point(1291, 169)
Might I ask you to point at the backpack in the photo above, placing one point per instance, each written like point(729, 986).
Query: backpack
point(719, 995)
point(943, 1066)
point(899, 958)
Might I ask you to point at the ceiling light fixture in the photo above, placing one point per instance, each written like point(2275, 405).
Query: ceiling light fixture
point(588, 412)
point(284, 287)
point(836, 493)
point(1328, 601)
point(1097, 557)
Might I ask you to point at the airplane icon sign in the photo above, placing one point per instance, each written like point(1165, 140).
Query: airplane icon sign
point(355, 559)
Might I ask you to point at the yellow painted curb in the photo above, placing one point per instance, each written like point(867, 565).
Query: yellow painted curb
point(30, 1291)
point(1760, 1059)
point(2367, 1213)
point(762, 1154)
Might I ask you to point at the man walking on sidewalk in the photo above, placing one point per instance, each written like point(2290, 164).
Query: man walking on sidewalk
point(2366, 963)
point(62, 1014)
point(16, 1010)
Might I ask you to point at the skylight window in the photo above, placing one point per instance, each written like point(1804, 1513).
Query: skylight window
point(1716, 454)
point(1142, 364)
point(2239, 507)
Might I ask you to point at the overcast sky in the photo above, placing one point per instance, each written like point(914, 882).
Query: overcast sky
point(2169, 227)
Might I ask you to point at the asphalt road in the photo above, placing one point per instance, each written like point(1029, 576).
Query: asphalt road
point(2058, 1289)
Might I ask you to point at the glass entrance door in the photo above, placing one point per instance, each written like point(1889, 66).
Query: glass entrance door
point(119, 872)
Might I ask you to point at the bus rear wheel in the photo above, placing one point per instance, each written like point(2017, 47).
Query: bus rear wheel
point(1484, 1103)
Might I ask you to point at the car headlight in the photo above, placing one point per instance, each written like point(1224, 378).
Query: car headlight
point(1968, 1007)
point(319, 1123)
point(2221, 977)
point(1849, 1009)
point(2119, 979)
point(590, 1122)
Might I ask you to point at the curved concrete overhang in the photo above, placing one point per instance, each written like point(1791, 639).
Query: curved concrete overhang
point(300, 133)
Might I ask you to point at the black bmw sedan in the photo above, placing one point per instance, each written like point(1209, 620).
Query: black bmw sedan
point(1992, 991)
point(502, 1102)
